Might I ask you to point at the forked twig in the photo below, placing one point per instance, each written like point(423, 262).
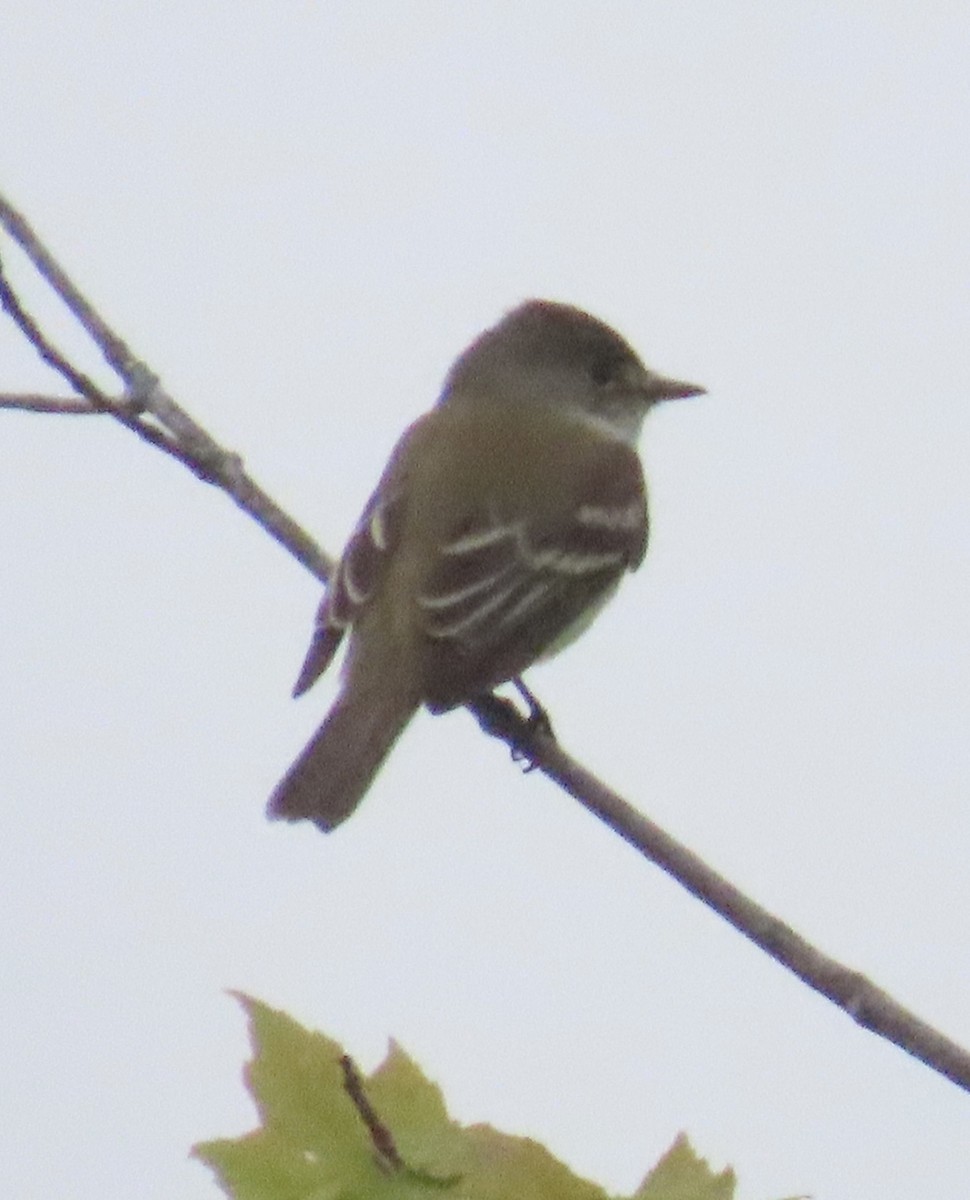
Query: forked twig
point(146, 407)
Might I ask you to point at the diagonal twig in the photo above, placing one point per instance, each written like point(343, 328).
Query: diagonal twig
point(62, 406)
point(867, 1004)
point(115, 351)
point(380, 1136)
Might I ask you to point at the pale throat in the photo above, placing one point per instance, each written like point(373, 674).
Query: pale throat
point(623, 424)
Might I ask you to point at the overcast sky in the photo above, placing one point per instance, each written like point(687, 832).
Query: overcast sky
point(298, 214)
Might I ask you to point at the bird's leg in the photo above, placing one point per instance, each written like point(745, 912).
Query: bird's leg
point(538, 718)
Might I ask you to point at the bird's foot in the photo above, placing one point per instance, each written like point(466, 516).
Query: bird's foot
point(500, 718)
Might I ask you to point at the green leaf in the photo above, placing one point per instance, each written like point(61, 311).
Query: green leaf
point(682, 1175)
point(314, 1141)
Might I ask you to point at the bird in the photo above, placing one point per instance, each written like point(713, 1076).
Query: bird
point(505, 519)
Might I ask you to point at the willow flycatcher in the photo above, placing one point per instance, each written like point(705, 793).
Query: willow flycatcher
point(504, 520)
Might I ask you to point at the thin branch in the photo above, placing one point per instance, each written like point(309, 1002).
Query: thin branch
point(62, 406)
point(380, 1135)
point(385, 1148)
point(47, 351)
point(868, 1005)
point(216, 465)
point(179, 435)
point(16, 224)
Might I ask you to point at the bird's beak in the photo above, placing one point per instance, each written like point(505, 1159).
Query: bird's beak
point(659, 387)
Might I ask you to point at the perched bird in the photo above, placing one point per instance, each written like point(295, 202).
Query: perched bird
point(504, 520)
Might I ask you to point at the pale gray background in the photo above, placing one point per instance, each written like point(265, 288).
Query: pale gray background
point(298, 214)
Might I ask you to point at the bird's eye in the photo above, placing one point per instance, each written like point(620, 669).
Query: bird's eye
point(602, 371)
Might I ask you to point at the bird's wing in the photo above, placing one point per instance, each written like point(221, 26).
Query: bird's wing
point(506, 590)
point(362, 565)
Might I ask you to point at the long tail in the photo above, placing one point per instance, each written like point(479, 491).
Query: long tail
point(329, 779)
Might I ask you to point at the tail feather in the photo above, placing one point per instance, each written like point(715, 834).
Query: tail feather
point(329, 779)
